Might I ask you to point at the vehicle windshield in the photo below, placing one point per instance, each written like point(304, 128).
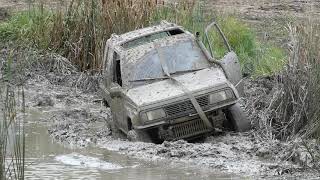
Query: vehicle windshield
point(181, 57)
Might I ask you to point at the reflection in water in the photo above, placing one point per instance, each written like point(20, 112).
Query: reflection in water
point(49, 160)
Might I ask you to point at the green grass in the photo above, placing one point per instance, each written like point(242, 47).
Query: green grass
point(268, 61)
point(80, 33)
point(29, 28)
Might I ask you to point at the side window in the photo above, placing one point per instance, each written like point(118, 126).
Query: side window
point(219, 47)
point(117, 69)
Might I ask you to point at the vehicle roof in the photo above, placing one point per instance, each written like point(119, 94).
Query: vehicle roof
point(118, 40)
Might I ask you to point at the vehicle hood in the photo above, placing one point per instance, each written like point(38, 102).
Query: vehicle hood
point(166, 89)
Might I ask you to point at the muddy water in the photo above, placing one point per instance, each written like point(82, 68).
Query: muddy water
point(49, 160)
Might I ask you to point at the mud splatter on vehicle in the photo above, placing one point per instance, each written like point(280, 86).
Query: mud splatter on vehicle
point(161, 83)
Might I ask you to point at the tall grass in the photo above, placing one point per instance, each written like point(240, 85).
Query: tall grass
point(297, 110)
point(29, 28)
point(12, 135)
point(79, 32)
point(294, 111)
point(300, 101)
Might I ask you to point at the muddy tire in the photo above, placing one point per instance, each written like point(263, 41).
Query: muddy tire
point(116, 132)
point(105, 103)
point(136, 135)
point(237, 118)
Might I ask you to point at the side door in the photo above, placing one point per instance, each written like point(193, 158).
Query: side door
point(117, 99)
point(229, 60)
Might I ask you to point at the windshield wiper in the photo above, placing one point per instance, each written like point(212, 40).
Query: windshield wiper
point(149, 79)
point(186, 71)
point(162, 78)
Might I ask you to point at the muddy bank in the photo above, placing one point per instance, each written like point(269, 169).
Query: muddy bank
point(232, 153)
point(73, 117)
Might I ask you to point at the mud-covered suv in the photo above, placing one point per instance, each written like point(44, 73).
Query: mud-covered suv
point(161, 83)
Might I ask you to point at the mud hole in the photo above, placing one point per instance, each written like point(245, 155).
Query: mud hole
point(76, 118)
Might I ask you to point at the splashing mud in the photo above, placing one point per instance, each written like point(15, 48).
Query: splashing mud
point(82, 161)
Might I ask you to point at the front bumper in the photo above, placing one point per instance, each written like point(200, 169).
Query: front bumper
point(192, 128)
point(184, 118)
point(187, 127)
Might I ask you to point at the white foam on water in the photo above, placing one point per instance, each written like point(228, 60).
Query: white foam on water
point(76, 159)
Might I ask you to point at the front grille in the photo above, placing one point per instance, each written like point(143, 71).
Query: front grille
point(186, 106)
point(189, 129)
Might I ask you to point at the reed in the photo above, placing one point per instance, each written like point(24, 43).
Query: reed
point(79, 31)
point(294, 111)
point(12, 134)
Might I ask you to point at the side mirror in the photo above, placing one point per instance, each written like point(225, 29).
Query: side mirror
point(197, 34)
point(115, 91)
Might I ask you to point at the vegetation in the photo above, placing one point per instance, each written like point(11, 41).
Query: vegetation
point(298, 109)
point(292, 110)
point(12, 136)
point(79, 33)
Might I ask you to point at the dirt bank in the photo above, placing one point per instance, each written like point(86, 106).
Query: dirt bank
point(74, 117)
point(262, 9)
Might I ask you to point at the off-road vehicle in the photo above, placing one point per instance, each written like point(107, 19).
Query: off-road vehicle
point(161, 83)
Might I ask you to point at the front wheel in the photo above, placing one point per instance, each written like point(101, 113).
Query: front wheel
point(138, 135)
point(237, 118)
point(105, 103)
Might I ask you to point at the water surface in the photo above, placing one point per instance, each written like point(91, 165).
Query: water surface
point(47, 159)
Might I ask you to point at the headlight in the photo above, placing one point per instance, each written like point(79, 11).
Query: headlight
point(220, 96)
point(154, 114)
